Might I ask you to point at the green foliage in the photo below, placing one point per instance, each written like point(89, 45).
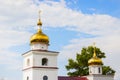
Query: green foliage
point(79, 66)
point(107, 70)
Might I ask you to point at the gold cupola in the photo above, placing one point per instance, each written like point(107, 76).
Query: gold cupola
point(95, 60)
point(39, 37)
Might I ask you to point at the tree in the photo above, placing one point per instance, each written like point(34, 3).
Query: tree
point(79, 66)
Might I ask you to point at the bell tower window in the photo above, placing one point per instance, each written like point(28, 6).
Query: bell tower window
point(44, 62)
point(28, 62)
point(99, 70)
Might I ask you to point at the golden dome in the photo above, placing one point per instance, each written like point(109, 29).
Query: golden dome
point(39, 37)
point(95, 60)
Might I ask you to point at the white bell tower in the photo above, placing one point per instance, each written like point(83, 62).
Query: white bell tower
point(39, 63)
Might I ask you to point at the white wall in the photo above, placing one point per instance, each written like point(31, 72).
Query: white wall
point(100, 77)
point(39, 73)
point(36, 71)
point(52, 59)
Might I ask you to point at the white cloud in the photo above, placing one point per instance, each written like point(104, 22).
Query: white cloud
point(13, 38)
point(8, 58)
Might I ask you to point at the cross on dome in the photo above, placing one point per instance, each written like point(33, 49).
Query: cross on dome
point(94, 55)
point(39, 23)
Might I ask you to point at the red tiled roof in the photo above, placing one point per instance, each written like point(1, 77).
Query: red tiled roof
point(71, 78)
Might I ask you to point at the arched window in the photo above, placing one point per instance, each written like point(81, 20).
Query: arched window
point(99, 70)
point(44, 62)
point(27, 78)
point(28, 62)
point(45, 78)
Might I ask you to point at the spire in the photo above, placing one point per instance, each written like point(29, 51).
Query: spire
point(95, 63)
point(39, 37)
point(39, 23)
point(94, 60)
point(94, 54)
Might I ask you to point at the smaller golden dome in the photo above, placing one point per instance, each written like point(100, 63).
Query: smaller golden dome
point(95, 60)
point(39, 37)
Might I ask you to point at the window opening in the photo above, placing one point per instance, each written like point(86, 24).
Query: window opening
point(44, 61)
point(45, 78)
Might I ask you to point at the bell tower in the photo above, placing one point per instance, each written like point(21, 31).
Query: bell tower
point(39, 63)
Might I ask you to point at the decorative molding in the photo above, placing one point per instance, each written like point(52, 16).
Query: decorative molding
point(43, 51)
point(40, 67)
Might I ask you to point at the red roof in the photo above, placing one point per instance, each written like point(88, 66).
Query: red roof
point(71, 78)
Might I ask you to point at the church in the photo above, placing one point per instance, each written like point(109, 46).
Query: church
point(39, 63)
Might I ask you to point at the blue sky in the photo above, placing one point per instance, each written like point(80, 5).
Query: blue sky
point(70, 25)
